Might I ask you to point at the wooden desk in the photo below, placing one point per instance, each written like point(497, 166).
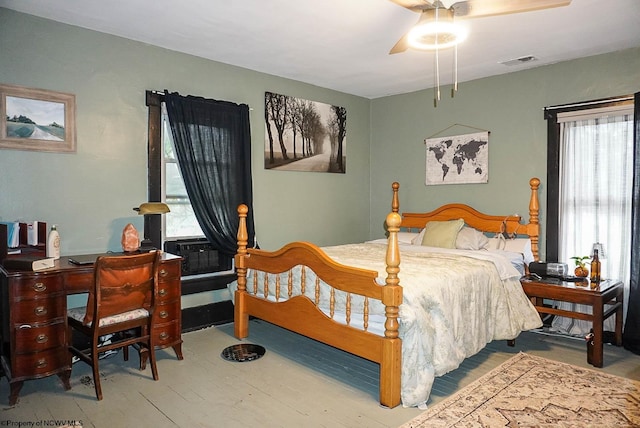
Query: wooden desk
point(607, 293)
point(34, 318)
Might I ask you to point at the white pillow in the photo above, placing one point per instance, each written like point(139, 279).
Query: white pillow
point(407, 237)
point(418, 239)
point(471, 239)
point(522, 246)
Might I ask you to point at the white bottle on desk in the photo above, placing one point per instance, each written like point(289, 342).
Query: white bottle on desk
point(53, 243)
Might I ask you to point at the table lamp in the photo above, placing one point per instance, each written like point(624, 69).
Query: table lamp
point(600, 247)
point(130, 236)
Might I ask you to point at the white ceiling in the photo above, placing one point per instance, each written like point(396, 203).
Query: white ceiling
point(344, 44)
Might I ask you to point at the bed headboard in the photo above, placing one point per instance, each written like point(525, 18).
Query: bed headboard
point(511, 224)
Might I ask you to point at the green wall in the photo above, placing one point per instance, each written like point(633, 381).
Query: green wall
point(90, 194)
point(510, 107)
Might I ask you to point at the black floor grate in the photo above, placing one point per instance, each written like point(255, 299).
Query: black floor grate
point(243, 352)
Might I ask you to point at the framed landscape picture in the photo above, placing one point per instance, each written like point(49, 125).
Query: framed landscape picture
point(37, 119)
point(303, 135)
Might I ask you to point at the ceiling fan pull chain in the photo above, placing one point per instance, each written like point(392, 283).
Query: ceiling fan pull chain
point(437, 97)
point(455, 71)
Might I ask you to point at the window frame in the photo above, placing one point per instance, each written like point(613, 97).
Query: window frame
point(553, 163)
point(153, 223)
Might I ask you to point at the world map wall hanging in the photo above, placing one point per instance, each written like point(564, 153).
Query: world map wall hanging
point(460, 159)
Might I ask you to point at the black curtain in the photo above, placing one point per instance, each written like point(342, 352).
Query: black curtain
point(213, 147)
point(631, 335)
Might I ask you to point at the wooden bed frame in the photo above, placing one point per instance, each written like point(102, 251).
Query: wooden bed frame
point(300, 314)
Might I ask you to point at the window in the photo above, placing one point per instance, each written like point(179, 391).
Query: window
point(590, 192)
point(181, 222)
point(213, 148)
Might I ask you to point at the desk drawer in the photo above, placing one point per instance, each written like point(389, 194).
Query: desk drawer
point(168, 312)
point(41, 338)
point(167, 333)
point(78, 281)
point(34, 286)
point(169, 271)
point(168, 291)
point(39, 311)
point(40, 364)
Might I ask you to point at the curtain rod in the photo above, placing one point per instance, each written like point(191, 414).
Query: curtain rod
point(153, 91)
point(588, 103)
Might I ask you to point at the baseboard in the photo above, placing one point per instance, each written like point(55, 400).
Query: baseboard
point(198, 317)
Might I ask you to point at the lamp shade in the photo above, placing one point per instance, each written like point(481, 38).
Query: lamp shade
point(436, 30)
point(600, 248)
point(152, 208)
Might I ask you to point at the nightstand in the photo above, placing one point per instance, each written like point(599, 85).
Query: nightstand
point(605, 298)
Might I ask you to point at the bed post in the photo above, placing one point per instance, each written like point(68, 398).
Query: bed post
point(534, 222)
point(395, 202)
point(390, 366)
point(241, 319)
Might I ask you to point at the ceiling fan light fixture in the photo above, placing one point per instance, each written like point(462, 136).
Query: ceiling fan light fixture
point(436, 30)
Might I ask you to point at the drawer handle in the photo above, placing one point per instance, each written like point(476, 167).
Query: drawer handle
point(163, 335)
point(39, 286)
point(163, 272)
point(40, 310)
point(42, 338)
point(41, 364)
point(162, 292)
point(164, 314)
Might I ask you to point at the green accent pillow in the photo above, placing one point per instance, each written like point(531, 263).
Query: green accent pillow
point(442, 234)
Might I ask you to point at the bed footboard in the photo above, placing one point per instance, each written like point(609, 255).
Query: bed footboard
point(294, 304)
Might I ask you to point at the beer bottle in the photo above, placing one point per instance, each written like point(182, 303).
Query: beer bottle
point(595, 267)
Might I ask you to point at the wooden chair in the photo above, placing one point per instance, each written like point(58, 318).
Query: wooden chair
point(122, 303)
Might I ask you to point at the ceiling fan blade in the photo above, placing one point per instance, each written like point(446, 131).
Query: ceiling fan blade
point(401, 46)
point(414, 5)
point(480, 8)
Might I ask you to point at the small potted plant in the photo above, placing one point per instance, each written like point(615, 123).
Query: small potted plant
point(581, 270)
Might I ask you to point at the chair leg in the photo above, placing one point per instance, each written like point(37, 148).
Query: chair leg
point(96, 370)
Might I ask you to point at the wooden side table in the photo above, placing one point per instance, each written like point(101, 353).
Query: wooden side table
point(605, 298)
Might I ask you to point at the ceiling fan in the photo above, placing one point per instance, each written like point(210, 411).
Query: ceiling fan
point(435, 28)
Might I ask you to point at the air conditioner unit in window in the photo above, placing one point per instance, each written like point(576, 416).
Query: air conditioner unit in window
point(198, 256)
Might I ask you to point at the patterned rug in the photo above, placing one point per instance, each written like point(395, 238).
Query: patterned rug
point(530, 391)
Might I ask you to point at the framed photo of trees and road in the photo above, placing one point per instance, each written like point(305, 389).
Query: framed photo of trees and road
point(303, 135)
point(37, 119)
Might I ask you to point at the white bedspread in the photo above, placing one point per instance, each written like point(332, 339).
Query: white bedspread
point(454, 303)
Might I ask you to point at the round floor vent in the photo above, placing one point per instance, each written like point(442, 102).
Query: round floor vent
point(243, 352)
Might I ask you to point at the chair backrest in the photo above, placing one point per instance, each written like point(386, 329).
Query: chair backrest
point(122, 284)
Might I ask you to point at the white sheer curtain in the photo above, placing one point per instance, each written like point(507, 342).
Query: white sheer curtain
point(596, 177)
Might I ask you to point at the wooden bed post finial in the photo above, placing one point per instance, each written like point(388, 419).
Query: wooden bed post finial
point(391, 360)
point(393, 292)
point(395, 202)
point(534, 219)
point(241, 318)
point(243, 237)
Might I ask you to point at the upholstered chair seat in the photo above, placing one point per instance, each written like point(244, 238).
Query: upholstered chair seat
point(78, 314)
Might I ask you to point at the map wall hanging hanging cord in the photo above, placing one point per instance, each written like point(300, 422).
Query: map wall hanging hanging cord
point(439, 133)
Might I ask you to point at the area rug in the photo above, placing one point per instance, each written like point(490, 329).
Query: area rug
point(530, 391)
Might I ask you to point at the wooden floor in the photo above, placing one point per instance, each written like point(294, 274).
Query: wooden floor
point(297, 383)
